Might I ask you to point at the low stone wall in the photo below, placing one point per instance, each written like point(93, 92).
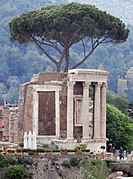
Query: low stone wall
point(124, 166)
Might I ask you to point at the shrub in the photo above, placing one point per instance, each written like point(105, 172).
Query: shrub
point(16, 172)
point(77, 148)
point(96, 169)
point(83, 146)
point(2, 162)
point(45, 146)
point(85, 150)
point(70, 150)
point(48, 150)
point(32, 151)
point(25, 150)
point(55, 150)
point(63, 149)
point(24, 160)
point(109, 163)
point(11, 161)
point(80, 147)
point(10, 150)
point(74, 161)
point(66, 164)
point(41, 150)
point(1, 156)
point(1, 150)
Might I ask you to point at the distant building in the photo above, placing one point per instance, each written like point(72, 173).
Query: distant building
point(1, 123)
point(125, 85)
point(122, 87)
point(10, 123)
point(129, 78)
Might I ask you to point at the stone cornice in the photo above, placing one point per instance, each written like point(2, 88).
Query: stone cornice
point(88, 71)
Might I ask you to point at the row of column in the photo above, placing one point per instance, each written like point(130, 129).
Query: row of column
point(99, 130)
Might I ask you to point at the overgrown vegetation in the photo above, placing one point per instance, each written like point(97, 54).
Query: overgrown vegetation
point(21, 160)
point(15, 167)
point(119, 102)
point(90, 169)
point(16, 172)
point(119, 128)
point(95, 169)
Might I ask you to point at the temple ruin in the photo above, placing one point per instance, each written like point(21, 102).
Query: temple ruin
point(65, 108)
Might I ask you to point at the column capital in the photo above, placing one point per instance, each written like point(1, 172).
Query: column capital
point(104, 84)
point(86, 84)
point(70, 84)
point(98, 84)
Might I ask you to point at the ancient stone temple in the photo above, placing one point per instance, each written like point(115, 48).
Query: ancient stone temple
point(65, 108)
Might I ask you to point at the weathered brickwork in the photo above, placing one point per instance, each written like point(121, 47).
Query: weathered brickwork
point(10, 122)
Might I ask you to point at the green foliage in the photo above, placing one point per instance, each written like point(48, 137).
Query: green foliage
point(118, 101)
point(2, 162)
point(25, 150)
point(21, 160)
point(74, 161)
point(55, 150)
point(11, 161)
point(44, 146)
point(95, 169)
point(85, 150)
point(70, 150)
point(41, 150)
point(80, 147)
point(1, 150)
point(119, 128)
point(61, 26)
point(24, 161)
point(10, 150)
point(16, 172)
point(109, 162)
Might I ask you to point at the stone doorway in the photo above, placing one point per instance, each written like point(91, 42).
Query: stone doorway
point(46, 113)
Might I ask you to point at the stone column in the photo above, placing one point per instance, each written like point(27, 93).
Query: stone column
point(97, 111)
point(35, 112)
point(25, 140)
point(85, 111)
point(70, 110)
point(103, 111)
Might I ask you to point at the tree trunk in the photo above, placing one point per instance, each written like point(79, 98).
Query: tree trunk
point(67, 59)
point(57, 68)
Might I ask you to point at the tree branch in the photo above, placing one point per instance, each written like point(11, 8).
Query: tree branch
point(84, 49)
point(95, 45)
point(52, 59)
point(51, 44)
